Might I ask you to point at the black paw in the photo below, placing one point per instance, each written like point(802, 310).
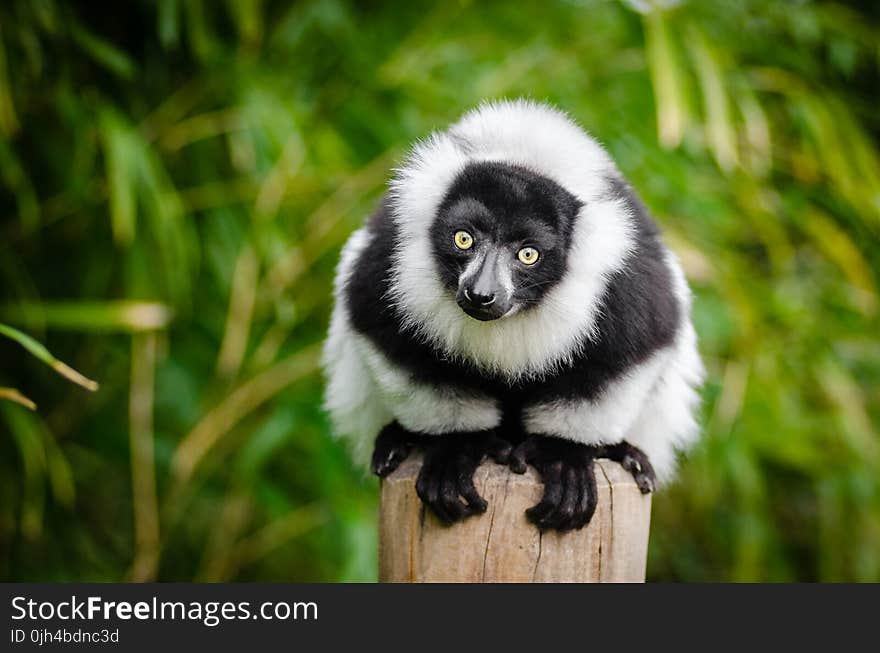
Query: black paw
point(393, 445)
point(568, 473)
point(446, 480)
point(636, 462)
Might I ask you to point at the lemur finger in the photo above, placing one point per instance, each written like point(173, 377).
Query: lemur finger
point(522, 454)
point(589, 496)
point(428, 489)
point(590, 492)
point(636, 462)
point(579, 519)
point(476, 504)
point(565, 514)
point(385, 461)
point(642, 471)
point(423, 483)
point(451, 504)
point(561, 515)
point(552, 478)
point(391, 448)
point(466, 463)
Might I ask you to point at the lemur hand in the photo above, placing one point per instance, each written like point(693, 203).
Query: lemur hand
point(393, 445)
point(568, 473)
point(567, 470)
point(633, 460)
point(446, 480)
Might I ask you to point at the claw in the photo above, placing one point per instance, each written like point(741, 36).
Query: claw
point(636, 462)
point(393, 445)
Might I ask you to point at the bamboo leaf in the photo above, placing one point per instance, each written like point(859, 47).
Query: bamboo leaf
point(124, 315)
point(11, 394)
point(720, 132)
point(103, 52)
point(40, 352)
point(666, 80)
point(8, 119)
point(120, 157)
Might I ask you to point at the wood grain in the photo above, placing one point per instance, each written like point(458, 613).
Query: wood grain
point(501, 545)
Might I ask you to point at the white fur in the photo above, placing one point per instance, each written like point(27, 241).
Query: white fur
point(605, 419)
point(429, 409)
point(548, 142)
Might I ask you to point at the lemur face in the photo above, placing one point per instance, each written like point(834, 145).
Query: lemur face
point(501, 238)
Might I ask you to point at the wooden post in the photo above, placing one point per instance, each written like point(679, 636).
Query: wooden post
point(501, 545)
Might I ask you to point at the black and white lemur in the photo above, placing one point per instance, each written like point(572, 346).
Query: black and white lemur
point(512, 298)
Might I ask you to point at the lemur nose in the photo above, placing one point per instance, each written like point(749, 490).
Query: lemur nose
point(479, 298)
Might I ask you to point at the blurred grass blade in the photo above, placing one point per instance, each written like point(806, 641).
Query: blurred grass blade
point(839, 248)
point(16, 179)
point(248, 19)
point(169, 23)
point(8, 119)
point(720, 132)
point(241, 308)
point(44, 464)
point(241, 402)
point(143, 461)
point(280, 531)
point(120, 155)
point(43, 354)
point(666, 79)
point(11, 394)
point(198, 32)
point(758, 153)
point(103, 52)
point(124, 315)
point(32, 475)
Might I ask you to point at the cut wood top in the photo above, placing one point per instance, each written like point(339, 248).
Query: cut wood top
point(501, 545)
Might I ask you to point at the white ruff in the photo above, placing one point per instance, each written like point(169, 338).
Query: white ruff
point(546, 141)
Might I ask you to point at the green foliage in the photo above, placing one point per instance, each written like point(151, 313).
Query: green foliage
point(178, 177)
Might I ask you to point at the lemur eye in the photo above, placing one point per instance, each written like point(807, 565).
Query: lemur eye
point(528, 255)
point(463, 240)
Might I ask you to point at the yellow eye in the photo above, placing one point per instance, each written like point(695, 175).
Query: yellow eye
point(528, 255)
point(463, 240)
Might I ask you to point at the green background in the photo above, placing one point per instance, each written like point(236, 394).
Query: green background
point(176, 180)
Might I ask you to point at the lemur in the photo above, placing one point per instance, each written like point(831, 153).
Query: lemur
point(511, 298)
